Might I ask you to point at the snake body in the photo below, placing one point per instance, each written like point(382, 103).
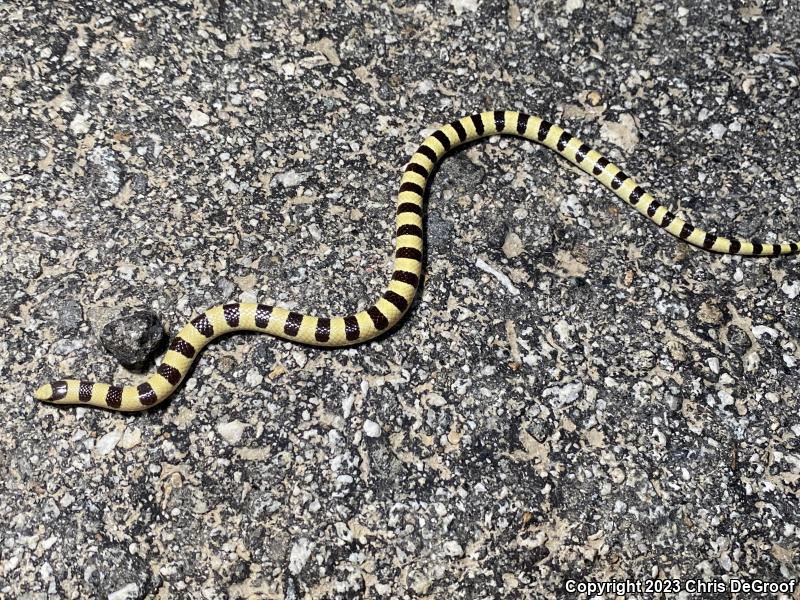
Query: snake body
point(388, 309)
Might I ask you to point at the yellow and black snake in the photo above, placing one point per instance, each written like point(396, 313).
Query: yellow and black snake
point(395, 300)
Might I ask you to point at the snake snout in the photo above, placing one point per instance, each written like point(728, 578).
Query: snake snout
point(51, 392)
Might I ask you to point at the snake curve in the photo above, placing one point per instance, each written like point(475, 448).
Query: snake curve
point(406, 272)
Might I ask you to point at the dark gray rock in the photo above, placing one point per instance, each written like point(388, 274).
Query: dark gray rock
point(133, 338)
point(69, 315)
point(104, 173)
point(439, 231)
point(738, 340)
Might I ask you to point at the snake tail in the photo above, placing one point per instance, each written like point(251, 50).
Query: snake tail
point(388, 309)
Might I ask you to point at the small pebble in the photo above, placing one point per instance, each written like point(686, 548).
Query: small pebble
point(232, 431)
point(512, 246)
point(371, 428)
point(718, 131)
point(108, 442)
point(452, 548)
point(198, 119)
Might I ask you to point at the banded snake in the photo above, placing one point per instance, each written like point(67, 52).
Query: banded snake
point(396, 299)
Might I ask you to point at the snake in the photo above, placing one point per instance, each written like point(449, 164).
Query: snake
point(398, 295)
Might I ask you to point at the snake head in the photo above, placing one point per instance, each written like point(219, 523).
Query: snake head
point(51, 392)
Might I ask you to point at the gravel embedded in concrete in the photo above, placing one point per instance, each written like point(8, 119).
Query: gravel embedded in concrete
point(630, 412)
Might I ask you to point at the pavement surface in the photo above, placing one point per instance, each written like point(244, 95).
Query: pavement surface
point(631, 412)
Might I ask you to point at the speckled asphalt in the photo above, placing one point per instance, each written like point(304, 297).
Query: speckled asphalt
point(630, 413)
